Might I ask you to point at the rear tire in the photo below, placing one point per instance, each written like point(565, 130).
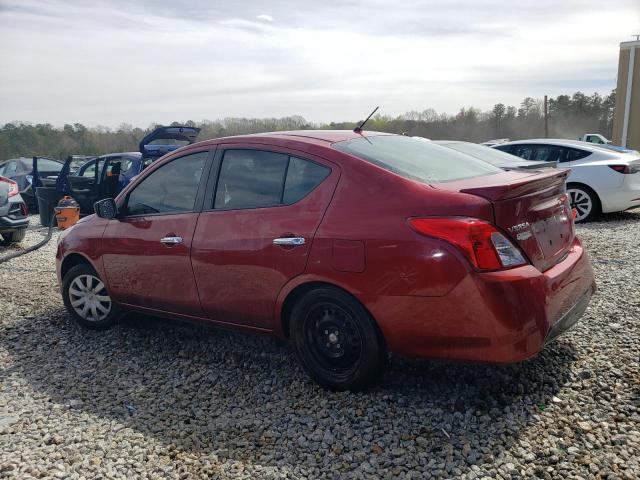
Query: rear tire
point(336, 340)
point(86, 298)
point(14, 237)
point(585, 201)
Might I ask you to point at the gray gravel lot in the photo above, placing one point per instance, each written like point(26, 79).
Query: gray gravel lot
point(157, 398)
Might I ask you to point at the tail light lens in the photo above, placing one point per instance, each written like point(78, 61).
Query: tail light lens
point(13, 186)
point(481, 242)
point(632, 167)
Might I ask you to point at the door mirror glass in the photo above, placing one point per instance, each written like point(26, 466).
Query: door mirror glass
point(106, 208)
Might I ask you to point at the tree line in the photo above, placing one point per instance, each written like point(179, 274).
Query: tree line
point(569, 116)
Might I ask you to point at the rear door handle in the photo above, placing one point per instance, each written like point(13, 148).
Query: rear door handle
point(171, 240)
point(289, 241)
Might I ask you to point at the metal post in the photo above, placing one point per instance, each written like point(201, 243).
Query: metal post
point(546, 118)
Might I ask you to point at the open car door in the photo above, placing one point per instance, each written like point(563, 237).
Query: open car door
point(83, 188)
point(45, 171)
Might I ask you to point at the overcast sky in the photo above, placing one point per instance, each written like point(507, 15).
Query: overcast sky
point(109, 62)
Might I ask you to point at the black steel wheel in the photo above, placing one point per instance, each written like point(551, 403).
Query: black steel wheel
point(336, 340)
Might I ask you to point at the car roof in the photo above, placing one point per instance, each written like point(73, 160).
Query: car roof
point(311, 136)
point(555, 141)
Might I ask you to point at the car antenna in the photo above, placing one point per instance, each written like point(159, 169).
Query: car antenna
point(358, 129)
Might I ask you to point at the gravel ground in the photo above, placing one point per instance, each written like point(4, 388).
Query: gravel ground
point(160, 399)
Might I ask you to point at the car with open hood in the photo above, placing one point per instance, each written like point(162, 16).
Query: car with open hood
point(349, 244)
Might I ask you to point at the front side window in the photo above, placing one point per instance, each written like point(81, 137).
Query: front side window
point(172, 188)
point(46, 165)
point(415, 158)
point(523, 151)
point(88, 170)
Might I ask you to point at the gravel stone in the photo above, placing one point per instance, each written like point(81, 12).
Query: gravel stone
point(156, 398)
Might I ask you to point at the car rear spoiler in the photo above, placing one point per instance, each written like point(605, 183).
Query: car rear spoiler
point(176, 132)
point(512, 184)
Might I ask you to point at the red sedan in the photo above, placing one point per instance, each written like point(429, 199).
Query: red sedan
point(350, 245)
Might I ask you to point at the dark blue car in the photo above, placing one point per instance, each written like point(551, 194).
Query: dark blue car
point(105, 176)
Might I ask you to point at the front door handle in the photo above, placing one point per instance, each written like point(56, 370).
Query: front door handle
point(171, 240)
point(289, 241)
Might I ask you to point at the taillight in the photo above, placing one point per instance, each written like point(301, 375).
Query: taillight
point(23, 209)
point(13, 186)
point(626, 169)
point(481, 242)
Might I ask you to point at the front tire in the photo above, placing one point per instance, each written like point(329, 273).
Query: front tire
point(87, 300)
point(336, 340)
point(14, 237)
point(585, 201)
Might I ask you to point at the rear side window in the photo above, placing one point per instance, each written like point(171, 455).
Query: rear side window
point(250, 178)
point(416, 159)
point(575, 154)
point(10, 168)
point(302, 177)
point(257, 178)
point(503, 148)
point(172, 188)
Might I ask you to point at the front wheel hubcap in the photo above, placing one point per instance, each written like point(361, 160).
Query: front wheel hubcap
point(89, 298)
point(581, 201)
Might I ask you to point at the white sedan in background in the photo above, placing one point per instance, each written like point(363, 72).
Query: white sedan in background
point(601, 180)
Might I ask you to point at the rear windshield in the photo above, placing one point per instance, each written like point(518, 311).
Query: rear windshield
point(416, 159)
point(488, 154)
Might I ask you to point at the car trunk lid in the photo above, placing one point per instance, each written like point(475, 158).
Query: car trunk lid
point(163, 140)
point(532, 208)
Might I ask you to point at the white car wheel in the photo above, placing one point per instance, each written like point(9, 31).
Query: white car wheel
point(89, 298)
point(584, 203)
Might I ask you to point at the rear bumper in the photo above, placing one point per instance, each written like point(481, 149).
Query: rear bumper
point(570, 318)
point(496, 317)
point(622, 198)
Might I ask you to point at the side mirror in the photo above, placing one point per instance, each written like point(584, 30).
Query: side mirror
point(106, 208)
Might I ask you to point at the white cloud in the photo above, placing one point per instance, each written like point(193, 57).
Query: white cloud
point(264, 17)
point(107, 63)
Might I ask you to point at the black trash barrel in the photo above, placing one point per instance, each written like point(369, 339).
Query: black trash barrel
point(48, 198)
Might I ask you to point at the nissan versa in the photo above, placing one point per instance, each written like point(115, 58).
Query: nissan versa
point(351, 245)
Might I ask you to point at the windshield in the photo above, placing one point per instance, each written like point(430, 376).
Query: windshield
point(416, 159)
point(488, 154)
